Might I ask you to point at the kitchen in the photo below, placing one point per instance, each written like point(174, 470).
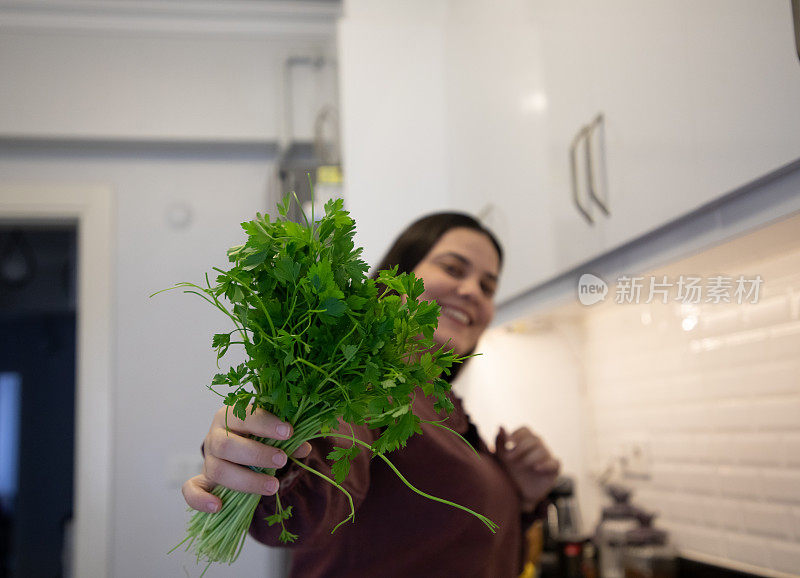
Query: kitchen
point(170, 119)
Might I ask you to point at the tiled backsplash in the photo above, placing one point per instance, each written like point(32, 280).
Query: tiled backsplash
point(706, 397)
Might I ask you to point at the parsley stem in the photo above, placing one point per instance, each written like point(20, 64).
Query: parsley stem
point(328, 376)
point(489, 524)
point(441, 425)
point(352, 514)
point(253, 293)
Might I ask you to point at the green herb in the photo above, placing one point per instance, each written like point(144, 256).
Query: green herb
point(324, 342)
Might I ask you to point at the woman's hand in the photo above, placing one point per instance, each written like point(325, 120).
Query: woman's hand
point(228, 452)
point(529, 463)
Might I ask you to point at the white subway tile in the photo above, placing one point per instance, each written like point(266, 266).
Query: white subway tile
point(733, 416)
point(666, 477)
point(778, 413)
point(670, 508)
point(726, 383)
point(785, 556)
point(784, 343)
point(720, 320)
point(692, 417)
point(728, 513)
point(770, 311)
point(774, 378)
point(704, 513)
point(759, 449)
point(659, 390)
point(739, 482)
point(791, 444)
point(664, 447)
point(690, 388)
point(796, 524)
point(721, 408)
point(781, 485)
point(767, 519)
point(703, 540)
point(747, 549)
point(702, 450)
point(747, 347)
point(700, 479)
point(714, 354)
point(720, 448)
point(686, 509)
point(660, 419)
point(692, 448)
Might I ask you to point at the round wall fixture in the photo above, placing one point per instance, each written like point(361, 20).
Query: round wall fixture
point(179, 215)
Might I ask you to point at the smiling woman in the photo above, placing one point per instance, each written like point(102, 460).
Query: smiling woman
point(460, 274)
point(459, 261)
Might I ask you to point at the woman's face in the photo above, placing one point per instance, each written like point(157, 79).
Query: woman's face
point(460, 273)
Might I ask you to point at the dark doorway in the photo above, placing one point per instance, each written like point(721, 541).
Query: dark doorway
point(37, 397)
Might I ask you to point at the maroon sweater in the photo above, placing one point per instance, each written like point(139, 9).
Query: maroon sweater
point(397, 533)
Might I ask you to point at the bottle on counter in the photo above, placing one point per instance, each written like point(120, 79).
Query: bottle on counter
point(565, 543)
point(610, 537)
point(648, 553)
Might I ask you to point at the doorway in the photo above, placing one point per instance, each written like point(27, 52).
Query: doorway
point(37, 402)
point(90, 208)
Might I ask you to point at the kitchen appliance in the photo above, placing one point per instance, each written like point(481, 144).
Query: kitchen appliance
point(648, 553)
point(568, 552)
point(610, 537)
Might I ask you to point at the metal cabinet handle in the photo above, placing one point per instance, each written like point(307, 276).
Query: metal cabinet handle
point(796, 15)
point(573, 163)
point(590, 129)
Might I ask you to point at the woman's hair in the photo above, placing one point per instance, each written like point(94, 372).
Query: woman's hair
point(419, 238)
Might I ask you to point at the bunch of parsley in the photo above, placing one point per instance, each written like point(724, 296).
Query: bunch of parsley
point(324, 343)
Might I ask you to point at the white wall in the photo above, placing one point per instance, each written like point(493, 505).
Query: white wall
point(121, 97)
point(163, 358)
point(531, 376)
point(144, 80)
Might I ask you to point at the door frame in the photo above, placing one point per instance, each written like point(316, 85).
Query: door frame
point(91, 206)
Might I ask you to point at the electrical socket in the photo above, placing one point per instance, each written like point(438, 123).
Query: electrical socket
point(635, 458)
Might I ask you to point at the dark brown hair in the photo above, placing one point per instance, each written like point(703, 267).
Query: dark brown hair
point(419, 238)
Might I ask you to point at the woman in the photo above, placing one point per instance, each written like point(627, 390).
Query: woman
point(396, 532)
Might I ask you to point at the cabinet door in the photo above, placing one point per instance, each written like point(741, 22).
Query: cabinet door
point(567, 44)
point(745, 88)
point(648, 145)
point(494, 124)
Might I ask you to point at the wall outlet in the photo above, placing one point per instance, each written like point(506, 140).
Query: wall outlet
point(635, 458)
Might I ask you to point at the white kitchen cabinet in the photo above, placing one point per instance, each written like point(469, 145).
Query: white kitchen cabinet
point(744, 74)
point(641, 86)
point(697, 100)
point(624, 60)
point(494, 131)
point(566, 38)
